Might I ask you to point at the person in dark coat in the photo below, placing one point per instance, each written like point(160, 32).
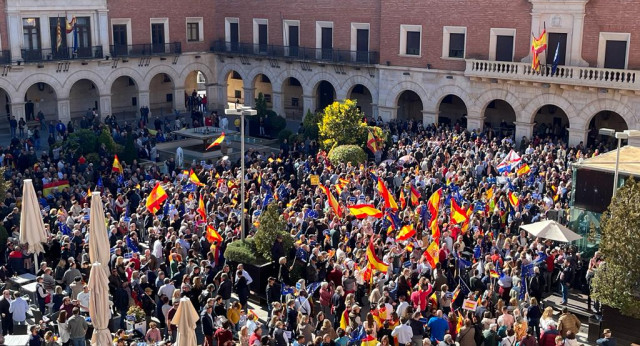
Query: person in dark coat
point(242, 289)
point(207, 325)
point(225, 289)
point(7, 317)
point(273, 294)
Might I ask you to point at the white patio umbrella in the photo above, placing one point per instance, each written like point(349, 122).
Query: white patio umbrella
point(32, 230)
point(185, 318)
point(99, 306)
point(98, 240)
point(549, 229)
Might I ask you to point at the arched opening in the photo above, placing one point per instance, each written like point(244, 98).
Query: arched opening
point(84, 99)
point(161, 95)
point(292, 99)
point(41, 97)
point(452, 110)
point(605, 119)
point(409, 106)
point(551, 121)
point(5, 105)
point(362, 94)
point(235, 92)
point(325, 94)
point(500, 116)
point(196, 87)
point(262, 84)
point(124, 98)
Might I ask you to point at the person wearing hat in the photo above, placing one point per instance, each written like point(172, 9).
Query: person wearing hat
point(607, 340)
point(148, 303)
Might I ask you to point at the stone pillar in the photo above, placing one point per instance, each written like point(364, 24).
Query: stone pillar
point(576, 42)
point(17, 110)
point(178, 99)
point(15, 35)
point(576, 136)
point(249, 96)
point(387, 113)
point(475, 123)
point(213, 96)
point(64, 110)
point(143, 98)
point(341, 95)
point(523, 130)
point(309, 103)
point(105, 105)
point(103, 31)
point(45, 34)
point(277, 103)
point(374, 111)
point(429, 118)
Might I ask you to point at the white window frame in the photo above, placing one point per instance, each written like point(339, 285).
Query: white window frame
point(286, 23)
point(493, 41)
point(446, 40)
point(404, 28)
point(122, 21)
point(256, 31)
point(319, 26)
point(354, 35)
point(200, 22)
point(164, 21)
point(227, 27)
point(612, 36)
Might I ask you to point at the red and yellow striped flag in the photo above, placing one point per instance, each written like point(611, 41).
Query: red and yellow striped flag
point(361, 211)
point(524, 169)
point(389, 201)
point(431, 254)
point(194, 178)
point(116, 166)
point(216, 142)
point(333, 202)
point(374, 261)
point(155, 199)
point(201, 210)
point(405, 233)
point(513, 199)
point(415, 196)
point(213, 235)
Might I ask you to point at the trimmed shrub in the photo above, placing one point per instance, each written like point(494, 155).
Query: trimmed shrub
point(271, 225)
point(243, 251)
point(347, 153)
point(274, 123)
point(284, 134)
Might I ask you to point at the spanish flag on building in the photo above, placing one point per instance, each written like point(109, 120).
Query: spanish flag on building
point(374, 261)
point(155, 199)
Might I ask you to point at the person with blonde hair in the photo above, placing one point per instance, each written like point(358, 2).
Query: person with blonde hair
point(547, 318)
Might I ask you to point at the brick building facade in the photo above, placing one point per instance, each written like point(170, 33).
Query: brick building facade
point(434, 61)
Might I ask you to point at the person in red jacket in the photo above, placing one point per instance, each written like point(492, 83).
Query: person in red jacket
point(548, 336)
point(326, 292)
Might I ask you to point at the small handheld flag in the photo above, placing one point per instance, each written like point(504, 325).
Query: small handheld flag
point(216, 142)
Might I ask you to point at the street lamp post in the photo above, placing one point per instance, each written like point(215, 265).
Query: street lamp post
point(242, 112)
point(626, 134)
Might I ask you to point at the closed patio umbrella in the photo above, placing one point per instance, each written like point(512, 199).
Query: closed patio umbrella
point(98, 240)
point(32, 230)
point(549, 229)
point(186, 318)
point(99, 306)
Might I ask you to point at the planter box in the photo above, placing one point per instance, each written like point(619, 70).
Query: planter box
point(260, 275)
point(139, 326)
point(623, 328)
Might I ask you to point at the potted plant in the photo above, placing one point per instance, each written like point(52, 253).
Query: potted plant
point(136, 319)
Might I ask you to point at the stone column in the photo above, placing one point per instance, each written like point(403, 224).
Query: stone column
point(374, 111)
point(103, 31)
point(105, 105)
point(17, 110)
point(341, 95)
point(15, 35)
point(523, 129)
point(387, 113)
point(309, 103)
point(576, 136)
point(213, 96)
point(277, 104)
point(576, 42)
point(143, 98)
point(178, 99)
point(475, 123)
point(45, 34)
point(429, 118)
point(64, 110)
point(249, 96)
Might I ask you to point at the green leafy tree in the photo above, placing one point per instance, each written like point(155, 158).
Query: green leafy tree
point(129, 153)
point(342, 124)
point(4, 187)
point(347, 153)
point(261, 105)
point(271, 225)
point(617, 282)
point(310, 124)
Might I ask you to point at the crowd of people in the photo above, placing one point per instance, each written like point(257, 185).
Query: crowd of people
point(325, 290)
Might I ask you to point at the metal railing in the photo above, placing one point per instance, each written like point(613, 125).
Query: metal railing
point(146, 49)
point(69, 53)
point(297, 53)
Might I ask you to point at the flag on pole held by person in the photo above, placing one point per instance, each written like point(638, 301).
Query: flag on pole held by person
point(374, 261)
point(116, 167)
point(362, 211)
point(405, 233)
point(155, 199)
point(389, 201)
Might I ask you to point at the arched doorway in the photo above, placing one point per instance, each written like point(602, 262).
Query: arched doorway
point(409, 106)
point(124, 97)
point(362, 94)
point(41, 97)
point(196, 83)
point(5, 104)
point(83, 98)
point(551, 120)
point(325, 94)
point(452, 110)
point(292, 99)
point(235, 92)
point(262, 84)
point(161, 95)
point(605, 119)
point(500, 116)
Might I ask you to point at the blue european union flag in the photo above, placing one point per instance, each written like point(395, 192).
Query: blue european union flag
point(284, 290)
point(463, 263)
point(64, 228)
point(131, 245)
point(477, 251)
point(99, 184)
